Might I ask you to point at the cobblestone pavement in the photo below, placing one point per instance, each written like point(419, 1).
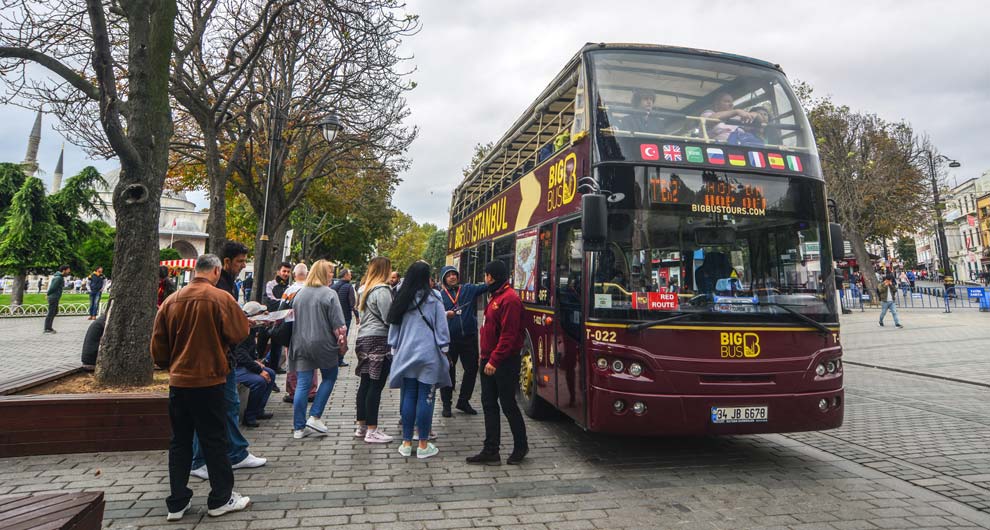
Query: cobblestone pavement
point(954, 345)
point(25, 349)
point(912, 454)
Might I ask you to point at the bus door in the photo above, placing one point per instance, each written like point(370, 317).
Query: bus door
point(540, 313)
point(568, 324)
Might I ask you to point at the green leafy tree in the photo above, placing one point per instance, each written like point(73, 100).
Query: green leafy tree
point(436, 248)
point(168, 253)
point(96, 249)
point(38, 231)
point(907, 252)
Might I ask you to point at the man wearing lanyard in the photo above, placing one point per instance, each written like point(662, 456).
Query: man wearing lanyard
point(459, 301)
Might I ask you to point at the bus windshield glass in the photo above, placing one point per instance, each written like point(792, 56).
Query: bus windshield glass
point(716, 244)
point(695, 98)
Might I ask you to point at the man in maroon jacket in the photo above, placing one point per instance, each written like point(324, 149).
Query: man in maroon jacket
point(501, 341)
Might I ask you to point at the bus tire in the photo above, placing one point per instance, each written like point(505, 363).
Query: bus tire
point(532, 404)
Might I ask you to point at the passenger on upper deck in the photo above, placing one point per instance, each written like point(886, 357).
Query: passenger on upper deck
point(724, 112)
point(642, 119)
point(755, 133)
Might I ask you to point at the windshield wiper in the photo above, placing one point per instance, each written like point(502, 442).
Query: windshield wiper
point(821, 327)
point(644, 325)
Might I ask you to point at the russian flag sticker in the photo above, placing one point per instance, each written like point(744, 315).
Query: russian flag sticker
point(716, 156)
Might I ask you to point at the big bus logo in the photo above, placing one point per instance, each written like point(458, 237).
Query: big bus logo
point(562, 182)
point(735, 345)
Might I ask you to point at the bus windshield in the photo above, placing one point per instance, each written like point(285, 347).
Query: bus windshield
point(716, 244)
point(649, 94)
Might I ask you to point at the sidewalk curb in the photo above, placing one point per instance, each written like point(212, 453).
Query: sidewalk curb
point(922, 374)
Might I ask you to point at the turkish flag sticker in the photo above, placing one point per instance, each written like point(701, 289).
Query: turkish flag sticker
point(649, 151)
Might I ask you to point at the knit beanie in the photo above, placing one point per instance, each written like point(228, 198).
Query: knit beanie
point(498, 271)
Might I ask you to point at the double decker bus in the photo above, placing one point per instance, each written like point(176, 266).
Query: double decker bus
point(664, 214)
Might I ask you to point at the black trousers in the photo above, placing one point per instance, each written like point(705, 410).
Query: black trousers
point(52, 311)
point(369, 396)
point(465, 349)
point(203, 411)
point(500, 389)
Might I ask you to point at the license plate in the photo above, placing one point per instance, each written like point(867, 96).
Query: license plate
point(739, 414)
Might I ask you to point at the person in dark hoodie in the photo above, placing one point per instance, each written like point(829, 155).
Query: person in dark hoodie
point(459, 302)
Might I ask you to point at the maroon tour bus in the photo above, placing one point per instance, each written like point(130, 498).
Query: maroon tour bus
point(664, 214)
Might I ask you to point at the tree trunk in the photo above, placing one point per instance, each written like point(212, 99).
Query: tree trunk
point(124, 355)
point(17, 290)
point(863, 260)
point(216, 222)
point(274, 247)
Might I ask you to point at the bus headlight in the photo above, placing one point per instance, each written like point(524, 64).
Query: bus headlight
point(639, 408)
point(830, 367)
point(823, 405)
point(619, 405)
point(820, 370)
point(617, 366)
point(635, 370)
point(602, 363)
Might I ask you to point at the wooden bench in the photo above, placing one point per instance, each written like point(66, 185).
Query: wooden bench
point(83, 423)
point(52, 511)
point(37, 378)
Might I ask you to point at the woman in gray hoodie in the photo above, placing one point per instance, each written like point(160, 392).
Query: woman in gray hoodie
point(419, 338)
point(319, 336)
point(373, 353)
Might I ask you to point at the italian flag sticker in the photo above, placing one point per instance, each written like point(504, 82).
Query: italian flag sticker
point(794, 163)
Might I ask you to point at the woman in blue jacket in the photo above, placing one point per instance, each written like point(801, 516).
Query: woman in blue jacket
point(419, 338)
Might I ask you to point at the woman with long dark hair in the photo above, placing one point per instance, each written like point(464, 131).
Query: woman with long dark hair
point(419, 338)
point(373, 354)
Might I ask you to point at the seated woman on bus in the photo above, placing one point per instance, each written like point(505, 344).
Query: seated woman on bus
point(717, 119)
point(641, 118)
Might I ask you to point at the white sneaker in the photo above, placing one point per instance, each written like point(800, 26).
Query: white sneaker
point(249, 462)
point(300, 434)
point(201, 473)
point(360, 432)
point(175, 516)
point(236, 503)
point(377, 437)
point(431, 450)
point(317, 425)
point(405, 450)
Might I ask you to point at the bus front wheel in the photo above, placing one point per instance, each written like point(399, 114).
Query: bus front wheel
point(532, 404)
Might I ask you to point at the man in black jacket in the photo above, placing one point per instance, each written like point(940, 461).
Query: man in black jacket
point(348, 301)
point(55, 287)
point(253, 374)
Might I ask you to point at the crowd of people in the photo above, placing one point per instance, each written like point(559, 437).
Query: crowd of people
point(411, 333)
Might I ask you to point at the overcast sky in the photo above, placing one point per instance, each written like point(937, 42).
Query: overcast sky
point(480, 64)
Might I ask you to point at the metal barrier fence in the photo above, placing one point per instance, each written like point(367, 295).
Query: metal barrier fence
point(921, 298)
point(40, 310)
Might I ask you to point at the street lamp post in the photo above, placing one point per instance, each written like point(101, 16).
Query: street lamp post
point(943, 249)
point(330, 126)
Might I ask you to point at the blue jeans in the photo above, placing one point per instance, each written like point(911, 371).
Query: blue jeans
point(260, 391)
point(94, 304)
point(303, 383)
point(416, 408)
point(893, 309)
point(238, 448)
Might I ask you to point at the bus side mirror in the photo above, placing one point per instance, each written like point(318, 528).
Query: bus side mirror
point(594, 221)
point(838, 243)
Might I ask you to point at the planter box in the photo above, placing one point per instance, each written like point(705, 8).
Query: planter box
point(83, 423)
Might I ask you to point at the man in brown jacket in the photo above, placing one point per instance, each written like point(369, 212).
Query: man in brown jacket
point(193, 330)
